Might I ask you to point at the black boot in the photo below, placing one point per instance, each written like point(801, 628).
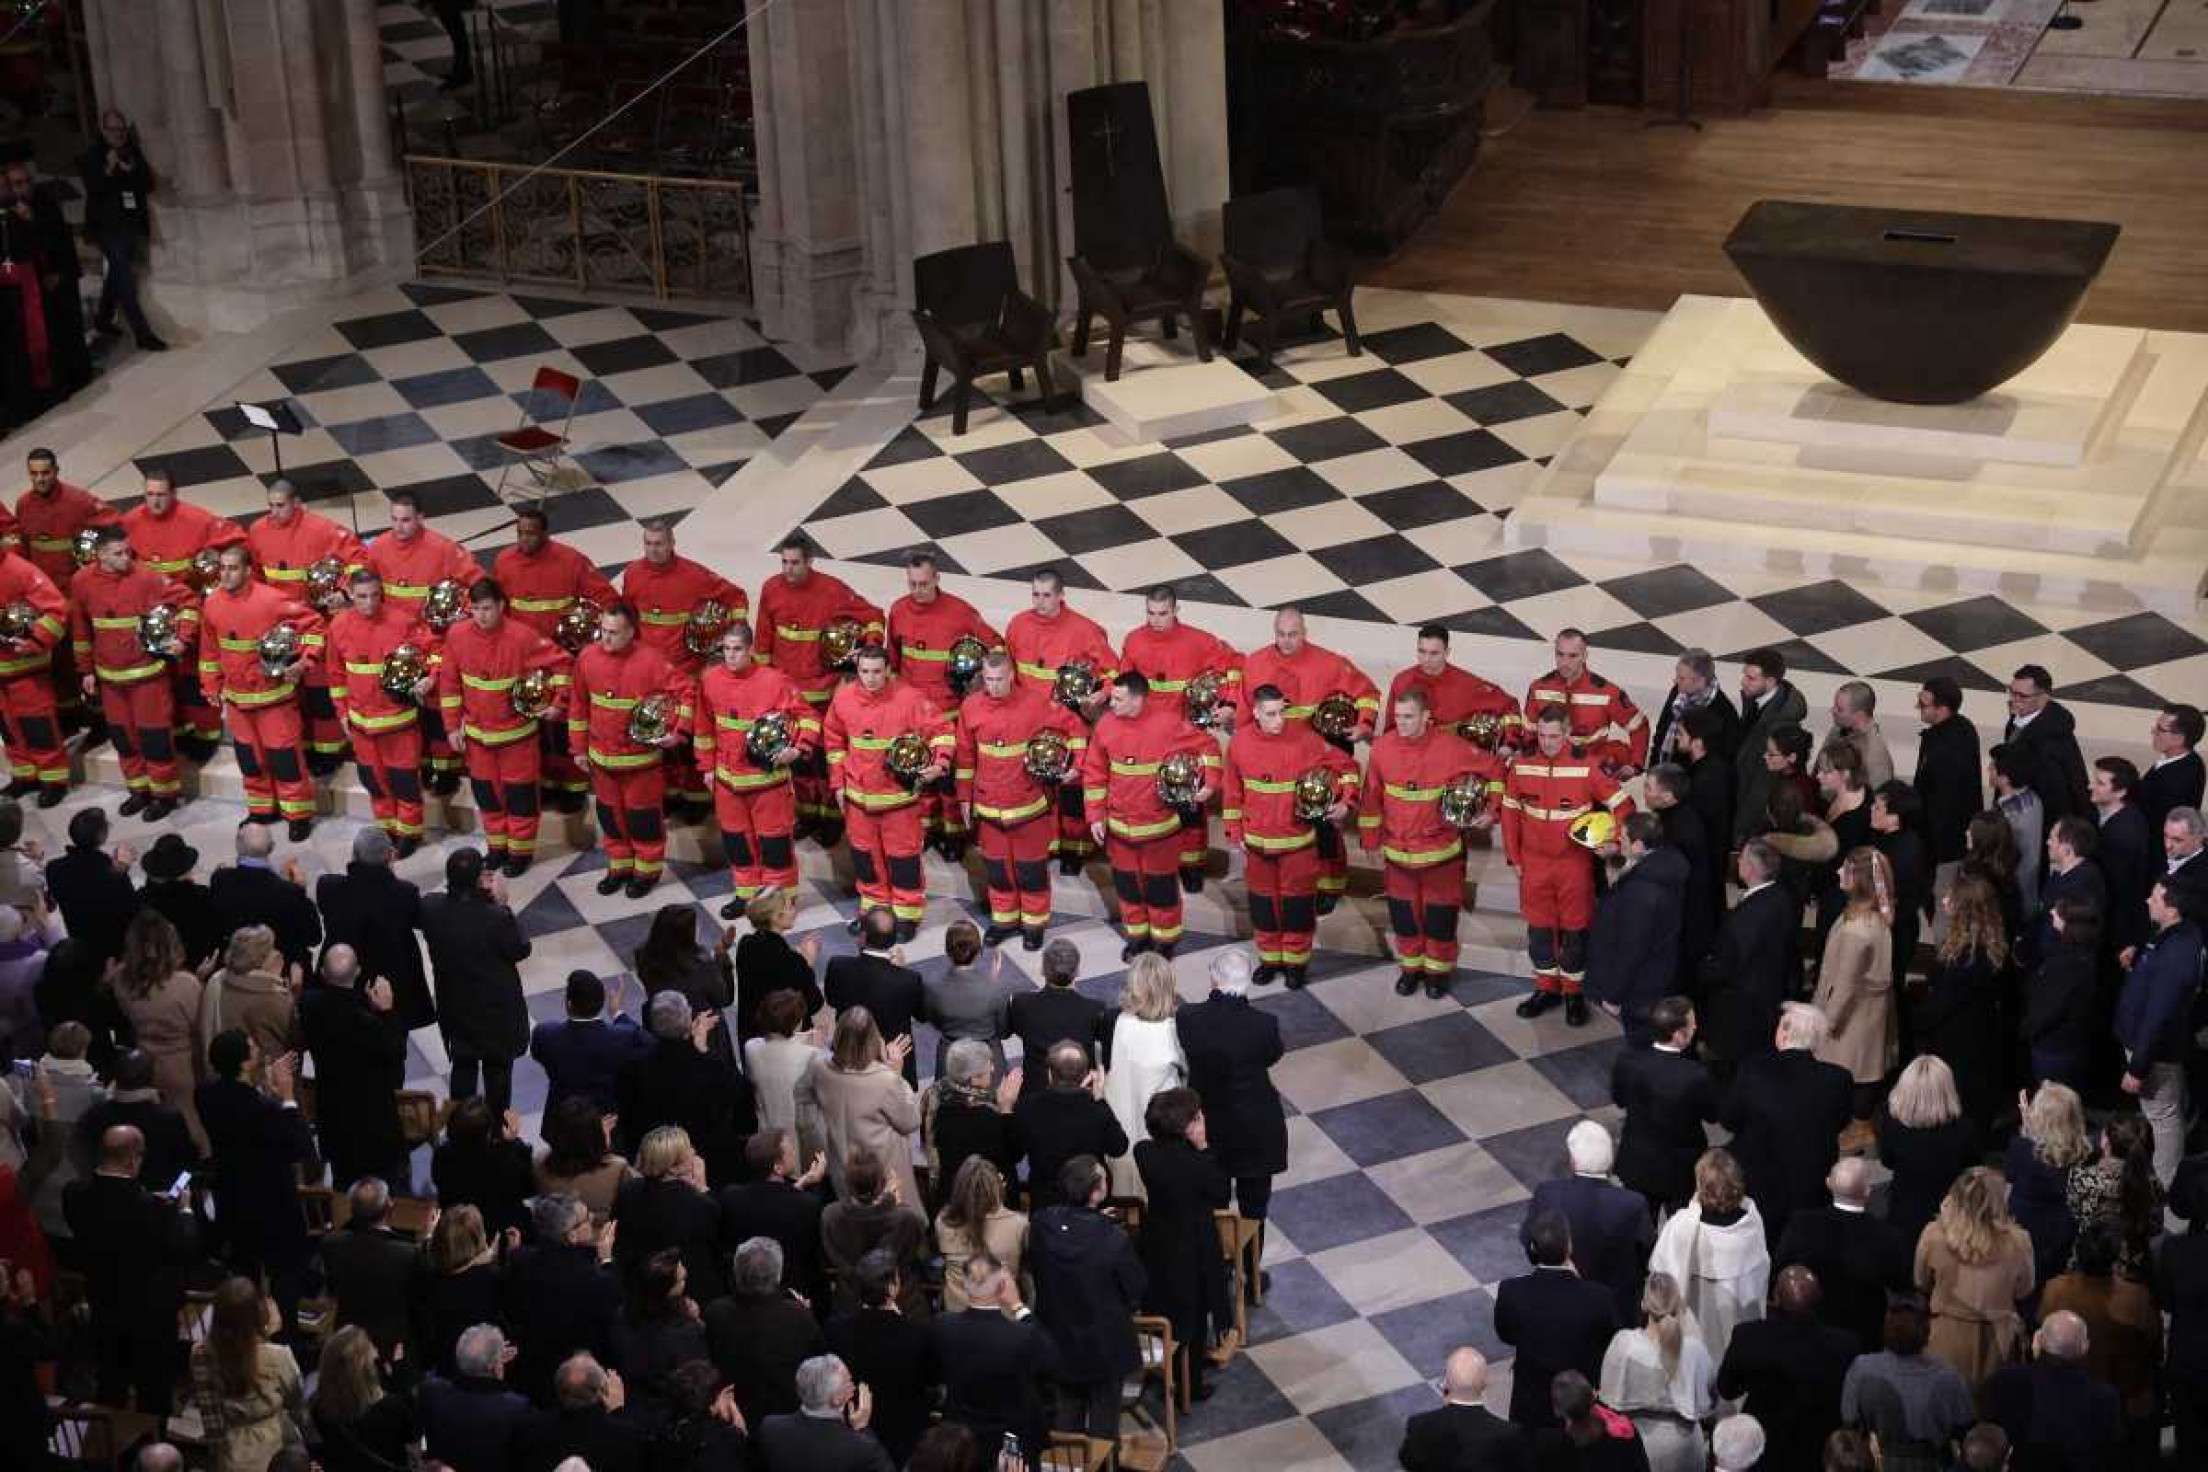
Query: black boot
point(1265, 975)
point(997, 935)
point(611, 881)
point(131, 807)
point(1192, 881)
point(1407, 984)
point(1134, 948)
point(50, 794)
point(1575, 1010)
point(1294, 977)
point(1069, 865)
point(1032, 940)
point(1538, 1003)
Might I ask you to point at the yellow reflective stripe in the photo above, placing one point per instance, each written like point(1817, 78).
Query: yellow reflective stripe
point(1411, 794)
point(284, 574)
point(615, 761)
point(40, 661)
point(127, 621)
point(1003, 748)
point(733, 723)
point(52, 544)
point(128, 673)
point(481, 682)
point(1421, 858)
point(1009, 816)
point(751, 781)
point(504, 736)
point(390, 722)
point(171, 565)
point(1267, 845)
point(1585, 699)
point(1299, 712)
point(1142, 830)
point(880, 802)
point(352, 668)
point(1255, 784)
point(406, 590)
point(251, 698)
point(1532, 771)
point(663, 620)
point(1039, 671)
point(54, 625)
point(1614, 799)
point(801, 636)
point(929, 656)
point(541, 605)
point(239, 646)
point(1546, 814)
point(1134, 769)
point(602, 701)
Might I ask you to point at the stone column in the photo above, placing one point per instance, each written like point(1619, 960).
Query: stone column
point(807, 251)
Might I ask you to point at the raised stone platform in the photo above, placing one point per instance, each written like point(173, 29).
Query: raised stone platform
point(1163, 393)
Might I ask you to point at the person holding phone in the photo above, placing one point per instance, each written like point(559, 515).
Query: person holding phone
point(829, 1431)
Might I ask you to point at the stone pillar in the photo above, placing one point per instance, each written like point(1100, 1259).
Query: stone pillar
point(807, 251)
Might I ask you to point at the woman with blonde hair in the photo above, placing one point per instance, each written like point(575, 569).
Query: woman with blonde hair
point(975, 1219)
point(856, 1098)
point(1143, 1057)
point(1713, 1248)
point(666, 1205)
point(253, 993)
point(2049, 1144)
point(1926, 1140)
point(463, 1288)
point(1660, 1376)
point(766, 962)
point(1974, 1266)
point(161, 996)
point(361, 1429)
point(1959, 1011)
point(1855, 984)
point(247, 1389)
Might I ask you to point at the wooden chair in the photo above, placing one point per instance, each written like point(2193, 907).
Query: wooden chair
point(974, 320)
point(1163, 289)
point(533, 446)
point(1279, 265)
point(95, 1436)
point(421, 1116)
point(1238, 1244)
point(1161, 1361)
point(1069, 1451)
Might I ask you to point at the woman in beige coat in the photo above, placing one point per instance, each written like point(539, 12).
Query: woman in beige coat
point(251, 992)
point(856, 1098)
point(1974, 1265)
point(162, 998)
point(1855, 984)
point(975, 1219)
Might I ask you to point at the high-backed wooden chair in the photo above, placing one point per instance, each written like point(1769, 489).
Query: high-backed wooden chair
point(1280, 265)
point(974, 320)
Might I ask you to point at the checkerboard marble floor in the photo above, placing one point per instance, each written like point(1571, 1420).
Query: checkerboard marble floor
point(417, 53)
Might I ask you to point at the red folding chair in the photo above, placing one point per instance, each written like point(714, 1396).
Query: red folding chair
point(531, 444)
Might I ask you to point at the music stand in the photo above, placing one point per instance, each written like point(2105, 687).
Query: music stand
point(277, 418)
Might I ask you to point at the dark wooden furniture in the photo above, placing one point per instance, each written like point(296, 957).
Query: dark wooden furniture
point(974, 319)
point(1164, 289)
point(1280, 266)
point(1127, 267)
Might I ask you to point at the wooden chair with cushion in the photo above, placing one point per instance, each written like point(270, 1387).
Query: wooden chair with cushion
point(1280, 266)
point(975, 320)
point(1166, 287)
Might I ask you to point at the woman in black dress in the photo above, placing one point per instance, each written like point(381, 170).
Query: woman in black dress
point(463, 1288)
point(671, 960)
point(1926, 1141)
point(766, 962)
point(482, 1165)
point(1957, 1011)
point(659, 1332)
point(1847, 810)
point(1180, 1243)
point(2050, 1143)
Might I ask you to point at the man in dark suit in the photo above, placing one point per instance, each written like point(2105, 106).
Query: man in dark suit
point(761, 1333)
point(254, 892)
point(585, 1052)
point(2072, 873)
point(1612, 1227)
point(1709, 776)
point(352, 1030)
point(889, 1354)
point(1786, 1109)
point(1789, 1367)
point(778, 1200)
point(2056, 1414)
point(1668, 1098)
point(2175, 779)
point(2154, 1014)
point(1063, 1121)
point(1857, 1258)
point(829, 1430)
point(1694, 687)
point(1463, 1433)
point(134, 1248)
point(561, 1297)
point(258, 1143)
point(1633, 952)
point(1669, 791)
point(473, 1420)
point(133, 1100)
point(1950, 777)
point(371, 909)
point(1767, 702)
point(1755, 965)
point(1088, 1287)
point(1231, 1047)
point(590, 1420)
point(2127, 849)
point(2181, 1285)
point(2044, 728)
point(878, 980)
point(375, 1274)
point(1555, 1319)
point(91, 887)
point(476, 948)
point(685, 1080)
point(1055, 1013)
point(997, 1362)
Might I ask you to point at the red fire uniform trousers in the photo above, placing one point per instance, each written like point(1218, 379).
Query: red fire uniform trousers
point(272, 759)
point(504, 778)
point(1015, 865)
point(1074, 840)
point(390, 767)
point(326, 733)
point(1284, 909)
point(630, 821)
point(1557, 897)
point(756, 831)
point(196, 720)
point(33, 726)
point(560, 772)
point(1333, 865)
point(140, 720)
point(946, 817)
point(685, 783)
point(885, 854)
point(1422, 911)
point(1146, 875)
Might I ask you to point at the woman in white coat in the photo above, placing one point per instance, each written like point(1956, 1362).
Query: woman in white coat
point(1713, 1248)
point(1660, 1375)
point(1143, 1058)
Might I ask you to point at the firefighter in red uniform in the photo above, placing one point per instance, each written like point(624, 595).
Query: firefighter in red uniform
point(1011, 811)
point(36, 760)
point(1454, 694)
point(755, 805)
point(612, 678)
point(286, 544)
point(1547, 788)
point(1602, 719)
point(795, 608)
point(881, 810)
point(411, 559)
point(665, 590)
point(1140, 832)
point(1169, 653)
point(486, 655)
point(48, 517)
point(130, 681)
point(543, 579)
point(1306, 674)
point(386, 730)
point(1042, 641)
point(260, 706)
point(1399, 813)
point(167, 534)
point(923, 625)
point(1280, 849)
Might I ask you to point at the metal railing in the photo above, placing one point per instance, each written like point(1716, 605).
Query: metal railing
point(584, 228)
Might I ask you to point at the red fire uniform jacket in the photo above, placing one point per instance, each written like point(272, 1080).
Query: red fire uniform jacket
point(664, 598)
point(21, 582)
point(475, 680)
point(607, 688)
point(1309, 678)
point(541, 586)
point(992, 753)
point(1170, 660)
point(1043, 646)
point(861, 725)
point(49, 525)
point(1603, 718)
point(1260, 802)
point(729, 704)
point(1459, 693)
point(1119, 772)
point(1399, 808)
point(357, 649)
point(1541, 797)
point(11, 532)
point(791, 618)
point(103, 622)
point(167, 544)
point(921, 636)
point(230, 657)
point(410, 569)
point(282, 554)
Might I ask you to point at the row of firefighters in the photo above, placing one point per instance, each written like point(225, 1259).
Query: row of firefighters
point(809, 713)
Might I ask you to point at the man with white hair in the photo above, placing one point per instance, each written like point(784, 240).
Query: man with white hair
point(1858, 1258)
point(1464, 1433)
point(1736, 1445)
point(1230, 1045)
point(1786, 1110)
point(470, 1417)
point(358, 1044)
point(828, 1432)
point(2056, 1414)
point(1612, 1231)
point(255, 891)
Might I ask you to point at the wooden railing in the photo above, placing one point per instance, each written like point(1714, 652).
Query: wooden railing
point(583, 228)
